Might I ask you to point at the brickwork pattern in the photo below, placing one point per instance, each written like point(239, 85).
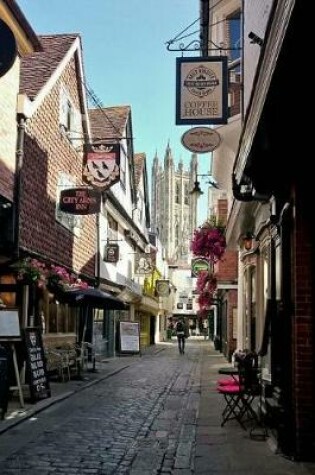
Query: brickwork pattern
point(47, 153)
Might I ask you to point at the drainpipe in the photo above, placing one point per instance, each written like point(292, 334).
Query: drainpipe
point(18, 183)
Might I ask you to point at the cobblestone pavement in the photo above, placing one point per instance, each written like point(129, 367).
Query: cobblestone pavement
point(158, 414)
point(140, 421)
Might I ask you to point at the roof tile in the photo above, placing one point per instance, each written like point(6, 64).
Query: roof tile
point(109, 123)
point(37, 68)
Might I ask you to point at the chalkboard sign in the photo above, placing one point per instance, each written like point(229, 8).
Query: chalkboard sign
point(36, 364)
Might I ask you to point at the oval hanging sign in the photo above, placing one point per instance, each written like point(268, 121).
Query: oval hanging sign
point(201, 139)
point(8, 49)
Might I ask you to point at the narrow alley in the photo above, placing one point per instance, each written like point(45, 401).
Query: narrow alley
point(155, 414)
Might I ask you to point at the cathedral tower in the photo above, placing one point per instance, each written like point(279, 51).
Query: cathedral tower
point(173, 208)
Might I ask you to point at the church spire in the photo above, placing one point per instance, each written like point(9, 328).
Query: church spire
point(168, 159)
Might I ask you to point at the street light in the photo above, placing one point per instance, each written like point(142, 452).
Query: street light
point(197, 190)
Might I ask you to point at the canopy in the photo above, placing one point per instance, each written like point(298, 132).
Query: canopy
point(91, 297)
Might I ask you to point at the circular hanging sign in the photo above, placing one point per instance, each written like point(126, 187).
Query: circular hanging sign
point(8, 48)
point(199, 264)
point(201, 139)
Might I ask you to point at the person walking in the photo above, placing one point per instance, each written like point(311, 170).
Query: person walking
point(181, 335)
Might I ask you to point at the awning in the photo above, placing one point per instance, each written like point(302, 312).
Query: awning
point(91, 297)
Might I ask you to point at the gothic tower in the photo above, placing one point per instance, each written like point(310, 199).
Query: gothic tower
point(173, 208)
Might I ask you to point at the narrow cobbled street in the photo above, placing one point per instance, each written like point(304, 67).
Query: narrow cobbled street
point(156, 414)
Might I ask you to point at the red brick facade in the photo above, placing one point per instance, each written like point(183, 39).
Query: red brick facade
point(47, 153)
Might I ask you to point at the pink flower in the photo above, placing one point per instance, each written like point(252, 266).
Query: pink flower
point(209, 241)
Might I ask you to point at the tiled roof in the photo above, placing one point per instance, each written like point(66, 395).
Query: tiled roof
point(109, 122)
point(139, 161)
point(37, 68)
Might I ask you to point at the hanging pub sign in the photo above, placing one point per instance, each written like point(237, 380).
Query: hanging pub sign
point(80, 201)
point(143, 263)
point(201, 90)
point(201, 139)
point(111, 253)
point(101, 167)
point(8, 49)
point(162, 287)
point(199, 264)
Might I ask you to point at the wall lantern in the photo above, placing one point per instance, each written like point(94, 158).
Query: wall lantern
point(197, 190)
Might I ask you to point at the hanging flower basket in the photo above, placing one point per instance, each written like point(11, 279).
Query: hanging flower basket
point(31, 271)
point(209, 241)
point(206, 286)
point(59, 278)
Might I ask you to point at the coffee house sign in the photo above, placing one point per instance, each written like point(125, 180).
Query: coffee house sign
point(201, 90)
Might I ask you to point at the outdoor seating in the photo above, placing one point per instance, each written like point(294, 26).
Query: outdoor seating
point(239, 395)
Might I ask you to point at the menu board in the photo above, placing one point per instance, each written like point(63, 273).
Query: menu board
point(36, 364)
point(129, 337)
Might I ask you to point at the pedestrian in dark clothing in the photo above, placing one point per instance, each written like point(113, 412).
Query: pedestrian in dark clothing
point(181, 335)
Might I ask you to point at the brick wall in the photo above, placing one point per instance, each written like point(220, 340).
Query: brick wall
point(226, 269)
point(47, 153)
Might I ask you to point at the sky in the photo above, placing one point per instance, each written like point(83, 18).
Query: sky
point(126, 62)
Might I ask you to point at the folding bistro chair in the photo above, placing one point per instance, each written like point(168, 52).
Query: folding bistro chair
point(239, 395)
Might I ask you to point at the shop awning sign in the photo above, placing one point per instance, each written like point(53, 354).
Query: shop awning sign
point(201, 90)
